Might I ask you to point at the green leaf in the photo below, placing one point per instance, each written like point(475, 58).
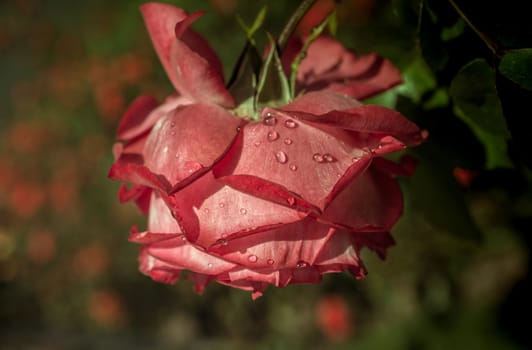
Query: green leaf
point(272, 88)
point(516, 65)
point(417, 80)
point(476, 102)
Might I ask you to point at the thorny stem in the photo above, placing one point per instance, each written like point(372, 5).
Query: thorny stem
point(486, 39)
point(293, 22)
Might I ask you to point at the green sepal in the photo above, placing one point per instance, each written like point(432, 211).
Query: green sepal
point(245, 74)
point(257, 23)
point(272, 88)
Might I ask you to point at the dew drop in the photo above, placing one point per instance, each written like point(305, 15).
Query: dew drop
point(222, 241)
point(209, 265)
point(243, 211)
point(270, 120)
point(257, 144)
point(177, 156)
point(252, 258)
point(317, 157)
point(288, 141)
point(291, 200)
point(238, 129)
point(206, 210)
point(270, 261)
point(273, 135)
point(172, 124)
point(281, 157)
point(293, 167)
point(183, 238)
point(328, 158)
point(290, 124)
point(300, 264)
point(172, 133)
point(221, 205)
point(165, 149)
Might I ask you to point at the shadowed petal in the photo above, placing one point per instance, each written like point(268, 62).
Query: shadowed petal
point(372, 202)
point(329, 66)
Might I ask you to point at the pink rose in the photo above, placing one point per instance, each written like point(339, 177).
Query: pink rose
point(251, 203)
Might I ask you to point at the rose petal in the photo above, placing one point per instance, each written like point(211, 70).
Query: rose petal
point(293, 245)
point(134, 116)
point(191, 65)
point(372, 202)
point(210, 211)
point(321, 102)
point(160, 219)
point(379, 242)
point(158, 270)
point(297, 165)
point(144, 112)
point(340, 253)
point(128, 171)
point(181, 254)
point(329, 66)
point(187, 142)
point(369, 119)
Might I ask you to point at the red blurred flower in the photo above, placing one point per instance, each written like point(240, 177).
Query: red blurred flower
point(106, 308)
point(41, 246)
point(334, 318)
point(251, 203)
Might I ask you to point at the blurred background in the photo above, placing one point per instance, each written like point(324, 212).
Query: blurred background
point(458, 278)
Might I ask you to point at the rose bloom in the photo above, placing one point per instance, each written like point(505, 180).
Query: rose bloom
point(276, 201)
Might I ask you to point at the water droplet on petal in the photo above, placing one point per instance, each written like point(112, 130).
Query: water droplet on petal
point(238, 129)
point(328, 158)
point(300, 264)
point(221, 205)
point(317, 157)
point(290, 124)
point(243, 211)
point(209, 265)
point(183, 238)
point(221, 241)
point(291, 200)
point(257, 144)
point(288, 141)
point(172, 133)
point(293, 167)
point(273, 135)
point(252, 258)
point(177, 156)
point(270, 261)
point(206, 210)
point(270, 120)
point(165, 149)
point(281, 157)
point(172, 124)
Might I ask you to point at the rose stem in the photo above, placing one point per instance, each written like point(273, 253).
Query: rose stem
point(293, 22)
